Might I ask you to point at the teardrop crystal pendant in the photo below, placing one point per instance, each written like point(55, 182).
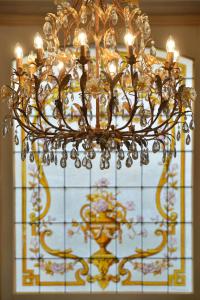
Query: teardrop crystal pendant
point(44, 159)
point(16, 140)
point(5, 129)
point(188, 139)
point(164, 156)
point(129, 162)
point(118, 164)
point(121, 154)
point(135, 155)
point(77, 163)
point(102, 164)
point(31, 157)
point(156, 146)
point(84, 161)
point(56, 159)
point(185, 127)
point(63, 162)
point(192, 126)
point(48, 160)
point(178, 136)
point(106, 164)
point(73, 154)
point(88, 164)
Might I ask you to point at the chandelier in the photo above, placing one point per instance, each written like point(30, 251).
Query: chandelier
point(81, 93)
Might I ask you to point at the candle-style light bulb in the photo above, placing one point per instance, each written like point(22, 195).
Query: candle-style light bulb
point(60, 66)
point(82, 37)
point(38, 44)
point(170, 45)
point(129, 39)
point(38, 41)
point(176, 55)
point(112, 68)
point(19, 57)
point(18, 51)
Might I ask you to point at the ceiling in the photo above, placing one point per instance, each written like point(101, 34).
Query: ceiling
point(31, 11)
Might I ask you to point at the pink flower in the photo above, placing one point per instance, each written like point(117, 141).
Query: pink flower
point(58, 268)
point(130, 205)
point(101, 205)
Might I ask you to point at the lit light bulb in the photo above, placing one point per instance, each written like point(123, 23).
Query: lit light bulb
point(176, 55)
point(60, 66)
point(82, 37)
point(129, 39)
point(112, 68)
point(38, 41)
point(170, 45)
point(18, 51)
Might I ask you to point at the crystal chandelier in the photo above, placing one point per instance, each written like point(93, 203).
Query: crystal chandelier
point(80, 92)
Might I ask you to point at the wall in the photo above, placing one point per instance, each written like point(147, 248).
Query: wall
point(188, 40)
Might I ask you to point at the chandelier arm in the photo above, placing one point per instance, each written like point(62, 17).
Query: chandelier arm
point(125, 95)
point(134, 109)
point(83, 82)
point(111, 102)
point(40, 112)
point(60, 108)
point(25, 127)
point(23, 112)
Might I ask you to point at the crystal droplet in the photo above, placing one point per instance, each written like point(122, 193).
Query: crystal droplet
point(65, 154)
point(114, 17)
point(185, 127)
point(107, 154)
point(178, 136)
point(83, 16)
point(44, 159)
point(73, 153)
point(113, 145)
point(192, 124)
point(23, 155)
point(153, 49)
point(65, 21)
point(118, 164)
point(88, 164)
point(106, 164)
point(56, 159)
point(121, 154)
point(135, 155)
point(27, 147)
point(84, 161)
point(77, 163)
point(156, 146)
point(133, 146)
point(175, 152)
point(31, 157)
point(47, 28)
point(45, 147)
point(52, 156)
point(63, 162)
point(188, 139)
point(164, 156)
point(129, 162)
point(5, 129)
point(91, 154)
point(16, 140)
point(102, 164)
point(48, 159)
